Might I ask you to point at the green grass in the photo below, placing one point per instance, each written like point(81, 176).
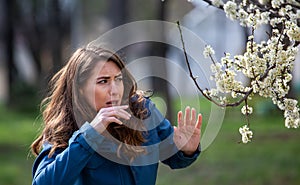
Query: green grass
point(17, 131)
point(271, 158)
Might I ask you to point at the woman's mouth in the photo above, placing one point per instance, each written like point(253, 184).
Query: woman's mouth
point(112, 103)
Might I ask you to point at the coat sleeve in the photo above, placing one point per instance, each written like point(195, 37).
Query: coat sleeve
point(65, 166)
point(169, 153)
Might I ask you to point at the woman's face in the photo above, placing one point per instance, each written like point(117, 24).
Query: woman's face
point(105, 87)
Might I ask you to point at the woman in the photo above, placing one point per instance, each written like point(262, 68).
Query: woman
point(99, 129)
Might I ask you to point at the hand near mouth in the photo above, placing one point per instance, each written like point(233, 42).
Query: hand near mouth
point(108, 115)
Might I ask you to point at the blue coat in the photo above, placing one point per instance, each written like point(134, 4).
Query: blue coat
point(89, 158)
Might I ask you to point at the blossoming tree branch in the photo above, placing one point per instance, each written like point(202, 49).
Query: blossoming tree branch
point(267, 65)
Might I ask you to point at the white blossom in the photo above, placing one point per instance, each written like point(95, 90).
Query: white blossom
point(265, 17)
point(216, 68)
point(206, 92)
point(293, 31)
point(234, 94)
point(268, 64)
point(217, 3)
point(274, 21)
point(276, 3)
point(292, 123)
point(208, 51)
point(290, 104)
point(226, 82)
point(227, 61)
point(291, 112)
point(243, 15)
point(246, 133)
point(263, 2)
point(213, 92)
point(247, 110)
point(230, 9)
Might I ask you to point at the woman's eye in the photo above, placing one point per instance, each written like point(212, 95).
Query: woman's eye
point(119, 79)
point(102, 82)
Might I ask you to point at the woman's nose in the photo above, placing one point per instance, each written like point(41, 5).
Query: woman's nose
point(113, 88)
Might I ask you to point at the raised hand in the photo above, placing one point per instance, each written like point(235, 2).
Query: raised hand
point(188, 132)
point(109, 115)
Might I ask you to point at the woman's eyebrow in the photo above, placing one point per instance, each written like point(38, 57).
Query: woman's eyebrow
point(108, 77)
point(118, 75)
point(103, 77)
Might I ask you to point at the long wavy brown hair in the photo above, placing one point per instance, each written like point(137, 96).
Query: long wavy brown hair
point(65, 109)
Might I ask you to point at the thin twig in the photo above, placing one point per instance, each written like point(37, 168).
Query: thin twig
point(247, 114)
point(237, 103)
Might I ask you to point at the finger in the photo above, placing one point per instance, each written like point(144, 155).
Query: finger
point(121, 107)
point(187, 116)
point(101, 125)
point(124, 113)
point(179, 119)
point(109, 120)
point(113, 120)
point(175, 128)
point(193, 117)
point(109, 109)
point(118, 111)
point(119, 114)
point(199, 121)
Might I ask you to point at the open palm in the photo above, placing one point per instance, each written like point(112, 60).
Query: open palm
point(188, 132)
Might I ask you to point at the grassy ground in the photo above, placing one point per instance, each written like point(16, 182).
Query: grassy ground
point(17, 131)
point(271, 158)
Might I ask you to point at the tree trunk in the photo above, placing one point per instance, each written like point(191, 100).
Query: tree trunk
point(55, 35)
point(117, 12)
point(9, 46)
point(160, 86)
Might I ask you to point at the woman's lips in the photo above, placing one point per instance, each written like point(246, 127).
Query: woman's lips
point(112, 103)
